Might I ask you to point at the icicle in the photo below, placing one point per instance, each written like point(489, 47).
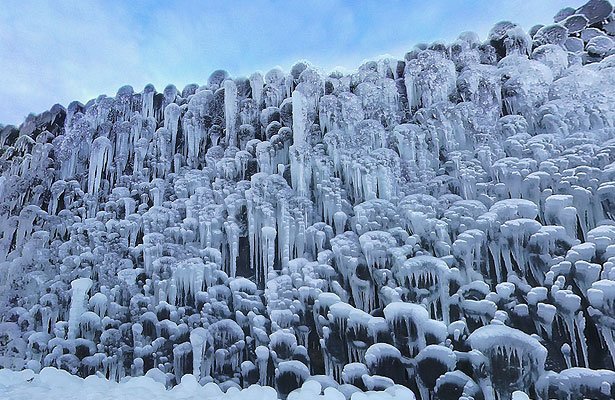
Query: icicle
point(171, 122)
point(230, 111)
point(80, 287)
point(300, 118)
point(99, 160)
point(256, 84)
point(147, 97)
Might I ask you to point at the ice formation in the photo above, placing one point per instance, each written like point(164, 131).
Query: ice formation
point(439, 226)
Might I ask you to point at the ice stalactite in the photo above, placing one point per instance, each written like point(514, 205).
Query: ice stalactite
point(99, 303)
point(406, 323)
point(100, 158)
point(431, 363)
point(300, 118)
point(199, 337)
point(232, 231)
point(257, 84)
point(171, 122)
point(429, 78)
point(601, 297)
point(230, 111)
point(577, 382)
point(427, 281)
point(290, 375)
point(522, 356)
point(268, 234)
point(189, 279)
point(147, 99)
point(80, 288)
point(383, 359)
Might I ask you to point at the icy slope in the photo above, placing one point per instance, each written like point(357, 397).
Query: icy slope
point(445, 222)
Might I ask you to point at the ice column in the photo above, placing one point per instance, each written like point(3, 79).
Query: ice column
point(230, 111)
point(78, 303)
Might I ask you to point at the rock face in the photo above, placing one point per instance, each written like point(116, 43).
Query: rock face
point(445, 222)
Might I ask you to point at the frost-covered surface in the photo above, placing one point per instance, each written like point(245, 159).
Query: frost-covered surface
point(444, 222)
point(54, 383)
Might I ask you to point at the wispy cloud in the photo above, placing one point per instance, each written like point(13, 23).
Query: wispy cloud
point(56, 52)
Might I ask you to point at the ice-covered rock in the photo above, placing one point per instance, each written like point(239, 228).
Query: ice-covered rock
point(441, 223)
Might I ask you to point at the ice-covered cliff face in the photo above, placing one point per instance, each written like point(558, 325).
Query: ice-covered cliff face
point(444, 222)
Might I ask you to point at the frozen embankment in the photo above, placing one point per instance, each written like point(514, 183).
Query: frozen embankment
point(54, 383)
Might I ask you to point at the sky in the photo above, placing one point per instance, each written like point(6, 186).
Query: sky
point(59, 51)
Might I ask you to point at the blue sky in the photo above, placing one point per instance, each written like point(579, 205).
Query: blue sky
point(59, 51)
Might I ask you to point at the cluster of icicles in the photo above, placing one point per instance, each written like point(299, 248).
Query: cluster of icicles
point(445, 222)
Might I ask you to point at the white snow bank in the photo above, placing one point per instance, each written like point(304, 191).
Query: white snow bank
point(53, 383)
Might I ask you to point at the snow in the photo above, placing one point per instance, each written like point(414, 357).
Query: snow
point(442, 223)
point(51, 382)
